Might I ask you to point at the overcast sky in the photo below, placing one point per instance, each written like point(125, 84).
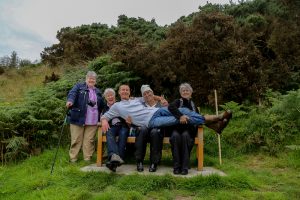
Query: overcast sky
point(28, 26)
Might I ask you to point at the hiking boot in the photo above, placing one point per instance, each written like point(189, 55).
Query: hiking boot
point(221, 124)
point(227, 115)
point(116, 159)
point(210, 119)
point(217, 126)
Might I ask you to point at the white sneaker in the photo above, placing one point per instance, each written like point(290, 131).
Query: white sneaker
point(116, 158)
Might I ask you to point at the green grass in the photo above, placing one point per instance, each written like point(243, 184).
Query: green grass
point(249, 177)
point(15, 83)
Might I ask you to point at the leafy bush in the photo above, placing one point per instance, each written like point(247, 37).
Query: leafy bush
point(111, 74)
point(266, 128)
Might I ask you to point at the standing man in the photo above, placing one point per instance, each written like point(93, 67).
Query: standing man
point(85, 103)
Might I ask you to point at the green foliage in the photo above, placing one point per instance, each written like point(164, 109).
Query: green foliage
point(147, 29)
point(17, 148)
point(268, 129)
point(235, 108)
point(99, 62)
point(257, 22)
point(111, 74)
point(87, 42)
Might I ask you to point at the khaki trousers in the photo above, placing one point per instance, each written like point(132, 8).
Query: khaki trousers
point(82, 136)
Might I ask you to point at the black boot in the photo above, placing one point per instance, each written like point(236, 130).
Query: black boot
point(111, 166)
point(153, 167)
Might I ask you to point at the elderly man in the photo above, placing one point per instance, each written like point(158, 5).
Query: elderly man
point(154, 135)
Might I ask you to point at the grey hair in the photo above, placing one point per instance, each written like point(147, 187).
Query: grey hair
point(185, 86)
point(91, 74)
point(107, 90)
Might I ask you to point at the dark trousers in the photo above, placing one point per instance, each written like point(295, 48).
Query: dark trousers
point(156, 142)
point(181, 144)
point(113, 146)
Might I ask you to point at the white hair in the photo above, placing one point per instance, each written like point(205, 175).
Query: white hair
point(185, 86)
point(91, 74)
point(107, 90)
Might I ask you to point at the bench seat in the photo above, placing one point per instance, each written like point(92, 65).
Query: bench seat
point(166, 140)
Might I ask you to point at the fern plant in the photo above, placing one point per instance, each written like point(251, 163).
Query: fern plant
point(17, 148)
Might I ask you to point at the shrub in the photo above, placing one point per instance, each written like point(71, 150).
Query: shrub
point(268, 128)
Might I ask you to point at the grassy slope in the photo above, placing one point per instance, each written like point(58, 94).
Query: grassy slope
point(14, 83)
point(249, 177)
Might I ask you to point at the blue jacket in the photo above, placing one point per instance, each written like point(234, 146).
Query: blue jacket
point(79, 96)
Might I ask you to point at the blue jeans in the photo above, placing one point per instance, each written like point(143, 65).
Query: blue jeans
point(163, 117)
point(114, 147)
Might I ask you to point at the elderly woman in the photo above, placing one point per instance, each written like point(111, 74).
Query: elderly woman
point(182, 138)
point(85, 103)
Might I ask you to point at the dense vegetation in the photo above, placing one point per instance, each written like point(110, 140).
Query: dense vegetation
point(241, 50)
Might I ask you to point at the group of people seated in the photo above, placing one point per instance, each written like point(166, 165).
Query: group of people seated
point(151, 116)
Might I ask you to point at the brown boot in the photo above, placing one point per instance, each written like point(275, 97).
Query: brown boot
point(227, 115)
point(218, 126)
point(211, 119)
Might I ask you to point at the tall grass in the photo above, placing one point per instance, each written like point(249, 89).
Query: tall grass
point(15, 82)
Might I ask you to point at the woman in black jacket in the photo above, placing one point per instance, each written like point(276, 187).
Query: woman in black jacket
point(183, 135)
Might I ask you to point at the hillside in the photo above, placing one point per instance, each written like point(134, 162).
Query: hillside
point(15, 83)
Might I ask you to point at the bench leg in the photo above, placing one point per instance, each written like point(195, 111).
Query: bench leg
point(200, 148)
point(99, 148)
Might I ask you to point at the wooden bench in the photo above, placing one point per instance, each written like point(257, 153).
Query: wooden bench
point(198, 142)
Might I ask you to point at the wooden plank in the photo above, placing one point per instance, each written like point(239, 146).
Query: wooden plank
point(131, 139)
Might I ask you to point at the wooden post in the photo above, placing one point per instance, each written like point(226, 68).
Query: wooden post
point(219, 139)
point(200, 154)
point(99, 148)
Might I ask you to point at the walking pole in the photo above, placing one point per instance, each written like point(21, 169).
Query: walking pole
point(219, 138)
point(58, 144)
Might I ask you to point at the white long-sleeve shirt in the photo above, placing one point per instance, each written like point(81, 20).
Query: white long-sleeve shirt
point(134, 108)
